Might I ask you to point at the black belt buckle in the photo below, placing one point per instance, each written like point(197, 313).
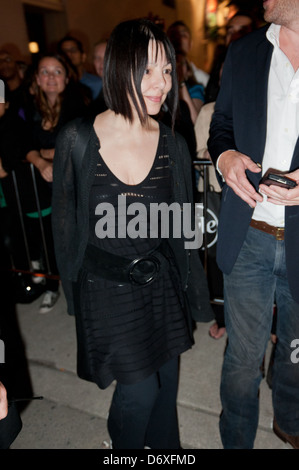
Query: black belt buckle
point(144, 270)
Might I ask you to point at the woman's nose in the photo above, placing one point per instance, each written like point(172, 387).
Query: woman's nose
point(51, 74)
point(160, 79)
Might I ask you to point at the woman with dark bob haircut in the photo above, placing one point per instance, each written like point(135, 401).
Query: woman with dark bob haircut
point(124, 275)
point(124, 66)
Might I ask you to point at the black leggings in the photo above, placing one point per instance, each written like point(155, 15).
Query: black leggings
point(145, 413)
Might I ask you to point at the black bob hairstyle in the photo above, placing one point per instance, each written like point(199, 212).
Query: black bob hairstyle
point(126, 59)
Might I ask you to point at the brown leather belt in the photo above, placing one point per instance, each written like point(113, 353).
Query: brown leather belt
point(277, 232)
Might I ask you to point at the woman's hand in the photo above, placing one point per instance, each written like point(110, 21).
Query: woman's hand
point(45, 167)
point(46, 170)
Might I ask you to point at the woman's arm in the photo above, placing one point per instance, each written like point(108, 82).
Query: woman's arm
point(64, 220)
point(47, 154)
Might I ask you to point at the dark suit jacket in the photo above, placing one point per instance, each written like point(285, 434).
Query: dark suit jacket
point(240, 122)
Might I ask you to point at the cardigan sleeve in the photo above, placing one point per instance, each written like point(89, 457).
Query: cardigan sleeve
point(64, 206)
point(194, 281)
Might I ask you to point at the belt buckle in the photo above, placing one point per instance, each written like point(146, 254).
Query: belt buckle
point(156, 264)
point(279, 233)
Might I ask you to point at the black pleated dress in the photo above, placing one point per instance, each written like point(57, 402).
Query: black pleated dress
point(127, 332)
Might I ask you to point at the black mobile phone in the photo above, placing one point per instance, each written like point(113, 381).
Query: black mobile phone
point(278, 180)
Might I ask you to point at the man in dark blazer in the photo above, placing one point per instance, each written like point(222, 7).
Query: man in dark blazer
point(255, 127)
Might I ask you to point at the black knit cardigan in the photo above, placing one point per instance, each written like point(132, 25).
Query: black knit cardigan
point(72, 181)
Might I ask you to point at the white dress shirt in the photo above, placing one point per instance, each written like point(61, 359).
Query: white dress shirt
point(282, 123)
point(200, 75)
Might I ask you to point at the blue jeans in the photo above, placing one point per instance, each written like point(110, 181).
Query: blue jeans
point(145, 413)
point(257, 280)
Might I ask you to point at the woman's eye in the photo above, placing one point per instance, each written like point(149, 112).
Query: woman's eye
point(147, 71)
point(168, 71)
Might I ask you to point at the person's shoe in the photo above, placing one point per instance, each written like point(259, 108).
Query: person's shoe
point(293, 440)
point(49, 301)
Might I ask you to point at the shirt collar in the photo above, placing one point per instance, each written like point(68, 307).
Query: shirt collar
point(273, 34)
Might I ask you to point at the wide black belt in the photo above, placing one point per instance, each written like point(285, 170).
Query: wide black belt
point(139, 271)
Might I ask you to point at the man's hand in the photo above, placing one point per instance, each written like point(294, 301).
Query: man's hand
point(282, 196)
point(233, 165)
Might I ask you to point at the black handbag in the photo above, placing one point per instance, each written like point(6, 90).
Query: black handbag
point(208, 204)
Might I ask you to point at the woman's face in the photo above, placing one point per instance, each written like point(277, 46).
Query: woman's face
point(51, 76)
point(157, 79)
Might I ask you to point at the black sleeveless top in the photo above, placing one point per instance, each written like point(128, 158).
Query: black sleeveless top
point(127, 332)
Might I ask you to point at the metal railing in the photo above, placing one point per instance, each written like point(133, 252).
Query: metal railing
point(46, 272)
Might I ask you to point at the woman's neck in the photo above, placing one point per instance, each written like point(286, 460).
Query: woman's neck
point(122, 124)
point(52, 99)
